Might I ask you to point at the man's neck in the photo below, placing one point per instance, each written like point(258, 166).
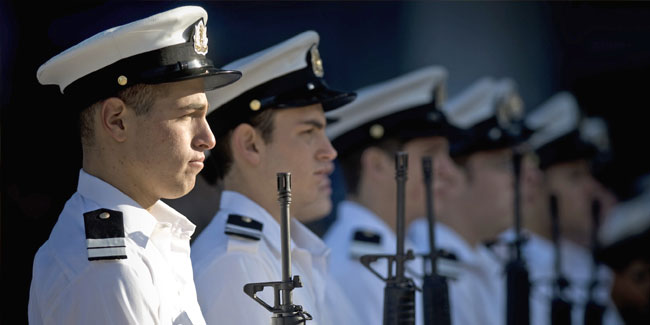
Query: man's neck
point(462, 227)
point(118, 179)
point(376, 207)
point(255, 193)
point(538, 222)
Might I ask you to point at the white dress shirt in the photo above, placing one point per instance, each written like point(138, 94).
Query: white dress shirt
point(153, 285)
point(365, 289)
point(474, 295)
point(576, 261)
point(223, 264)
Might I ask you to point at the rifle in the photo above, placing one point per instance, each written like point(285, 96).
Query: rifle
point(284, 311)
point(435, 291)
point(399, 293)
point(517, 283)
point(560, 306)
point(593, 310)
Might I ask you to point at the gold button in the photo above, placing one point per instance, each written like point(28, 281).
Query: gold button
point(255, 105)
point(376, 131)
point(121, 80)
point(104, 215)
point(246, 219)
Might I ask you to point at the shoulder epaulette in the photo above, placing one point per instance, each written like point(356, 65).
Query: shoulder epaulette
point(245, 227)
point(365, 242)
point(444, 254)
point(449, 265)
point(105, 235)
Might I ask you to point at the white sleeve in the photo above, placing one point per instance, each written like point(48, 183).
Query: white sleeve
point(363, 288)
point(107, 292)
point(462, 304)
point(220, 290)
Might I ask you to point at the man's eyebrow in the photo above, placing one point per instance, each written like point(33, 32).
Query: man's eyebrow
point(194, 107)
point(315, 123)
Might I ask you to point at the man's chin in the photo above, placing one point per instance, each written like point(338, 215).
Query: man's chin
point(179, 190)
point(314, 211)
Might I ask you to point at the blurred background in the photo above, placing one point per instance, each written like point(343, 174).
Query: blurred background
point(599, 51)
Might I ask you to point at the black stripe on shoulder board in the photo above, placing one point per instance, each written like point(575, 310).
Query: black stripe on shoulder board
point(245, 222)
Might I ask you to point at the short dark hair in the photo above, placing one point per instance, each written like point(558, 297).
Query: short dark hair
point(351, 161)
point(220, 160)
point(140, 97)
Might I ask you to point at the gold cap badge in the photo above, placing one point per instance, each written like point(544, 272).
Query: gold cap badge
point(201, 38)
point(510, 110)
point(316, 62)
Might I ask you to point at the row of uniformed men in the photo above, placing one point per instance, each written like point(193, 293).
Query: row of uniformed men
point(151, 104)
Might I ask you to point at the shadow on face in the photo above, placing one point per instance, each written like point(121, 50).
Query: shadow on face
point(300, 146)
point(575, 188)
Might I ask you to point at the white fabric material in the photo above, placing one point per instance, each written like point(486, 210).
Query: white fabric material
point(364, 288)
point(154, 285)
point(105, 48)
point(265, 65)
point(224, 264)
point(556, 117)
point(576, 266)
point(372, 102)
point(105, 242)
point(478, 102)
point(594, 130)
point(474, 296)
point(627, 219)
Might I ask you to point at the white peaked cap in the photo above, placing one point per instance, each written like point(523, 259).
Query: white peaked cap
point(376, 101)
point(478, 102)
point(594, 131)
point(105, 48)
point(627, 219)
point(264, 66)
point(555, 118)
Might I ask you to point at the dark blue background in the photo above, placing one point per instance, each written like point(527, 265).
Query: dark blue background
point(600, 51)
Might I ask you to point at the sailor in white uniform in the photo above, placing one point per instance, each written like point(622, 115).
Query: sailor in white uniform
point(274, 122)
point(117, 254)
point(624, 238)
point(563, 145)
point(400, 114)
point(474, 196)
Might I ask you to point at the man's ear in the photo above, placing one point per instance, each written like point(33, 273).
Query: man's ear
point(375, 164)
point(246, 144)
point(112, 118)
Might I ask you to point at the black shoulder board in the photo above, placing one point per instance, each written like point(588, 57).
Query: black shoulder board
point(105, 235)
point(366, 237)
point(365, 242)
point(447, 255)
point(243, 227)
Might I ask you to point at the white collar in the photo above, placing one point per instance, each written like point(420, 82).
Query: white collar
point(301, 236)
point(136, 218)
point(449, 239)
point(357, 215)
